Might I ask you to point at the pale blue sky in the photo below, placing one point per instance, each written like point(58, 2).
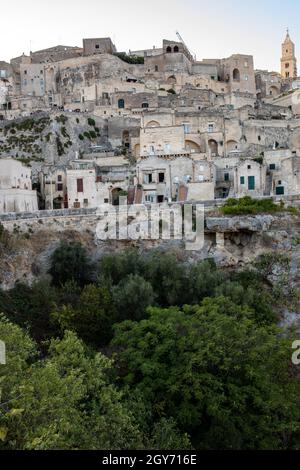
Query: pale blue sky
point(213, 29)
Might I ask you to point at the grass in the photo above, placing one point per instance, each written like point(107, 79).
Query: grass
point(247, 205)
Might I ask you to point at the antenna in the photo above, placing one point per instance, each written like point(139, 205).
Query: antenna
point(181, 40)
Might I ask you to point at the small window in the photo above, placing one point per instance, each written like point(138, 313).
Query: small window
point(80, 185)
point(226, 176)
point(249, 167)
point(148, 178)
point(242, 180)
point(272, 166)
point(59, 178)
point(96, 46)
point(210, 127)
point(59, 187)
point(161, 177)
point(145, 105)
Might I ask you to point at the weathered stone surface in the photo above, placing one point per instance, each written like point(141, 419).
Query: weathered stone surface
point(258, 223)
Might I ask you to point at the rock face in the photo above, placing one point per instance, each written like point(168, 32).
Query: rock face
point(231, 242)
point(258, 223)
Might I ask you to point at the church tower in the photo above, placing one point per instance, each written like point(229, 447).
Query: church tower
point(288, 59)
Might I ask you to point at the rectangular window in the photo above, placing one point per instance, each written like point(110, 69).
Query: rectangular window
point(161, 177)
point(186, 127)
point(59, 187)
point(80, 185)
point(210, 128)
point(148, 178)
point(272, 166)
point(59, 178)
point(226, 176)
point(150, 198)
point(242, 180)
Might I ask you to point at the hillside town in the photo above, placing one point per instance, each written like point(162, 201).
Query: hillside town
point(81, 126)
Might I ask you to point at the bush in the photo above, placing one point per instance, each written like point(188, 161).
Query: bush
point(131, 297)
point(247, 205)
point(70, 262)
point(91, 122)
point(130, 59)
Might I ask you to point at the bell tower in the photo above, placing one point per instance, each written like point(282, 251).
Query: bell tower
point(288, 59)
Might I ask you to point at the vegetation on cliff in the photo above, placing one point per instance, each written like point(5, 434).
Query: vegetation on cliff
point(147, 352)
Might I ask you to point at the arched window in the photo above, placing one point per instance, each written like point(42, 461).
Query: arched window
point(169, 49)
point(236, 75)
point(121, 103)
point(145, 105)
point(176, 49)
point(213, 147)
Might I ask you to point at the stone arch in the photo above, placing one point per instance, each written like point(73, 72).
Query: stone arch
point(172, 80)
point(231, 145)
point(236, 75)
point(153, 124)
point(213, 147)
point(169, 49)
point(145, 105)
point(137, 150)
point(274, 91)
point(115, 194)
point(193, 147)
point(176, 49)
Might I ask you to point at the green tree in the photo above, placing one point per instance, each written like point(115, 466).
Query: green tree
point(167, 276)
point(203, 278)
point(132, 296)
point(215, 371)
point(115, 267)
point(66, 401)
point(254, 296)
point(30, 307)
point(70, 262)
point(92, 317)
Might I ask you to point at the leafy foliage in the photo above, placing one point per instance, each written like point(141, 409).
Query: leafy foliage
point(215, 371)
point(70, 262)
point(247, 205)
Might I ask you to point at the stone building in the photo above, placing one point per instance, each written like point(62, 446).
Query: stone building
point(249, 179)
point(288, 58)
point(16, 194)
point(98, 46)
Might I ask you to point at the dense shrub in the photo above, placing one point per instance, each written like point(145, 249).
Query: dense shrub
point(70, 262)
point(247, 205)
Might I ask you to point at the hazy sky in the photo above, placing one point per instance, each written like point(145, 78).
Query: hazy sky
point(211, 29)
